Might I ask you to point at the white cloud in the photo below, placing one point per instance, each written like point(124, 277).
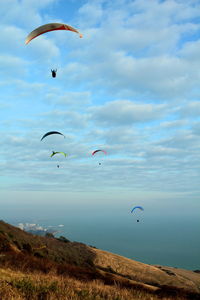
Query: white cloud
point(191, 109)
point(24, 12)
point(43, 50)
point(190, 51)
point(136, 46)
point(174, 124)
point(12, 39)
point(70, 120)
point(12, 66)
point(94, 10)
point(125, 112)
point(196, 128)
point(75, 99)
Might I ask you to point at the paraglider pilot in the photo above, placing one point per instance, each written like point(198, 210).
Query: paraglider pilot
point(53, 73)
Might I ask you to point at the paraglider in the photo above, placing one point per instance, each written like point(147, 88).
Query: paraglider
point(47, 28)
point(53, 73)
point(50, 27)
point(57, 152)
point(99, 150)
point(94, 152)
point(51, 132)
point(137, 207)
point(53, 153)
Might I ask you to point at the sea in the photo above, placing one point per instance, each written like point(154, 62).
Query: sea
point(152, 237)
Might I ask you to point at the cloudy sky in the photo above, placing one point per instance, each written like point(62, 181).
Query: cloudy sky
point(130, 86)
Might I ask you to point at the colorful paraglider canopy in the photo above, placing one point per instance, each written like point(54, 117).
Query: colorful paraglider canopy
point(94, 152)
point(50, 27)
point(51, 132)
point(56, 152)
point(139, 207)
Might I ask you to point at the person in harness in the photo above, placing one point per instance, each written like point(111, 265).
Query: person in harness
point(53, 73)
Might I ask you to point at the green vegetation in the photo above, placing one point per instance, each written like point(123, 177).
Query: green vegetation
point(63, 239)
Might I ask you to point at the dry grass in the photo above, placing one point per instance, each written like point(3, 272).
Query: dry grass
point(18, 286)
point(152, 275)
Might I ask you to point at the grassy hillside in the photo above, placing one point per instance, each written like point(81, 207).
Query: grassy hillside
point(17, 285)
point(34, 267)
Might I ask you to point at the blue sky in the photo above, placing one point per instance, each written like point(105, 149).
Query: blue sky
point(129, 86)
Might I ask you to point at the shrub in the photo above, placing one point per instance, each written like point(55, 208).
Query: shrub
point(49, 235)
point(27, 247)
point(63, 239)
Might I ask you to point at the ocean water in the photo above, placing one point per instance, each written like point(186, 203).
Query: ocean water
point(171, 239)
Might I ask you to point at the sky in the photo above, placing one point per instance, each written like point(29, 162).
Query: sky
point(130, 86)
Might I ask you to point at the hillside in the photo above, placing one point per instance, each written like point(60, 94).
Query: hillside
point(24, 256)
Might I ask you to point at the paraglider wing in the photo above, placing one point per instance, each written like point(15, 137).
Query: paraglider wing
point(93, 153)
point(53, 153)
point(139, 207)
point(51, 132)
point(50, 27)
